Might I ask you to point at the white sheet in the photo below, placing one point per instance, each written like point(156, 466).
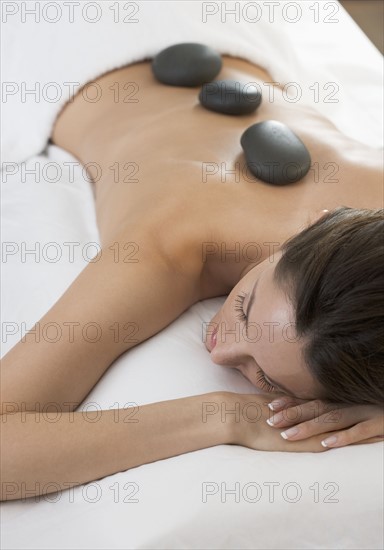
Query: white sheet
point(170, 512)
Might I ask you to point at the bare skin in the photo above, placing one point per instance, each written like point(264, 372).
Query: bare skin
point(184, 213)
point(175, 147)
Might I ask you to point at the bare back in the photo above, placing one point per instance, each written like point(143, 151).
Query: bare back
point(149, 146)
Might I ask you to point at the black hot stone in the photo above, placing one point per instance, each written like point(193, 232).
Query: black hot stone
point(186, 64)
point(275, 154)
point(230, 97)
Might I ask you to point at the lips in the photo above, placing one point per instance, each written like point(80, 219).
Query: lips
point(214, 338)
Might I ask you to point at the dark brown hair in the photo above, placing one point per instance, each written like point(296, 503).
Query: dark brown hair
point(333, 274)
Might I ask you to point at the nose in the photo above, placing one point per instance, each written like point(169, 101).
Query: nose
point(227, 352)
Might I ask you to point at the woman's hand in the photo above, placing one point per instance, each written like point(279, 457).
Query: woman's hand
point(349, 424)
point(248, 415)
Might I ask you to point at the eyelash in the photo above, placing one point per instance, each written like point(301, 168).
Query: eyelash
point(264, 384)
point(239, 302)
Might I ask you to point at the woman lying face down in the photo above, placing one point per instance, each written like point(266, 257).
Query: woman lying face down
point(319, 305)
point(309, 320)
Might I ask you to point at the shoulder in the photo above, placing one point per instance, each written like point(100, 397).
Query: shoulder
point(168, 231)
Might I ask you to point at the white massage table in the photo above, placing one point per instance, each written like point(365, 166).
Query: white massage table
point(221, 497)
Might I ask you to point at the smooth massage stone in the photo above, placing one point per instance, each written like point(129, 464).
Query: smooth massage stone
point(186, 64)
point(230, 97)
point(275, 154)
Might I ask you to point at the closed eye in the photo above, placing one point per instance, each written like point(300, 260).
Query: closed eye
point(239, 306)
point(264, 383)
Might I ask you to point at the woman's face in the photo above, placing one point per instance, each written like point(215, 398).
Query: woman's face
point(254, 333)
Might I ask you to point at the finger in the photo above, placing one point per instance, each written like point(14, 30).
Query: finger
point(364, 432)
point(309, 410)
point(331, 415)
point(284, 402)
point(360, 430)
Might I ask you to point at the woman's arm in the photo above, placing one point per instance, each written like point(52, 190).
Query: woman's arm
point(44, 452)
point(136, 288)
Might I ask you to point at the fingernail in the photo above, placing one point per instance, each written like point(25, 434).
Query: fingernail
point(275, 404)
point(329, 441)
point(289, 433)
point(275, 419)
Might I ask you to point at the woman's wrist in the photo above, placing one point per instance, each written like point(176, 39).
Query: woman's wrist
point(229, 412)
point(173, 427)
point(219, 416)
